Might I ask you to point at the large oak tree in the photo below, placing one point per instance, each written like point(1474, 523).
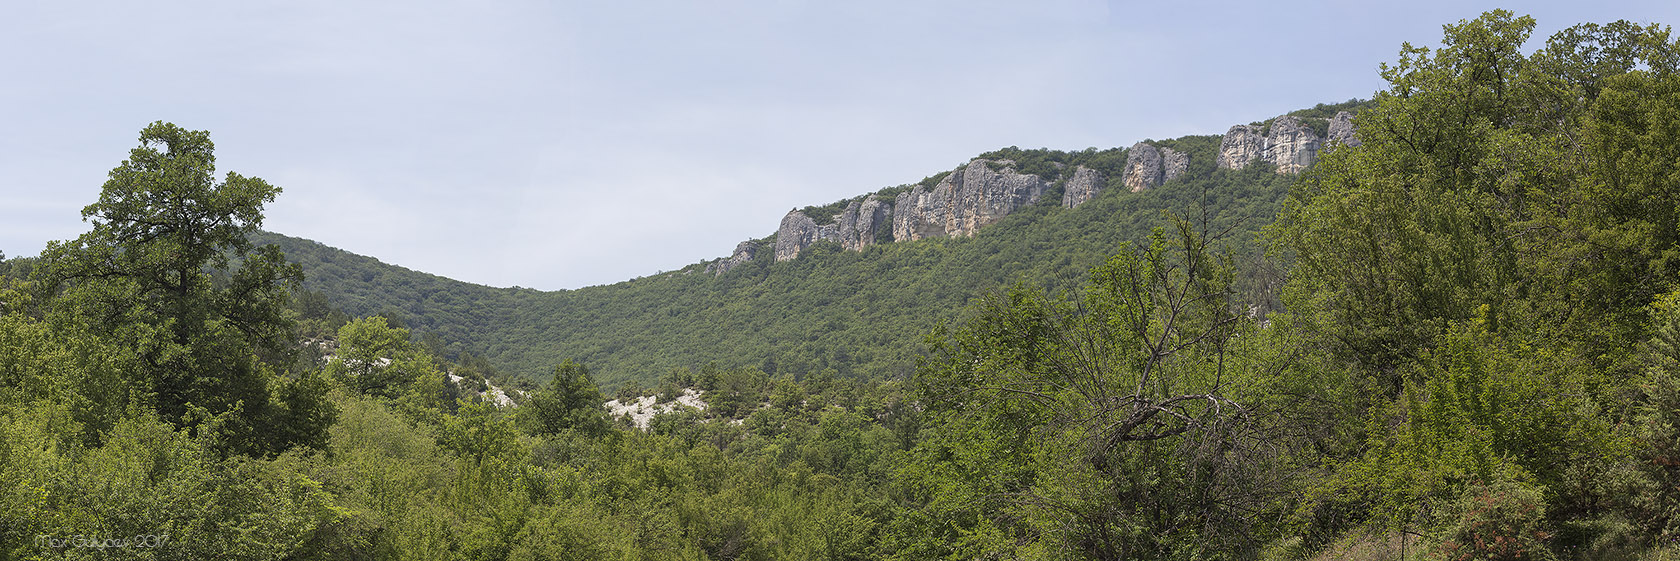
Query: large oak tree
point(168, 275)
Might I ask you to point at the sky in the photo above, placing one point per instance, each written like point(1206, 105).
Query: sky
point(556, 145)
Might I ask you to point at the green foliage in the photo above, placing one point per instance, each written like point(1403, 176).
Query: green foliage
point(570, 402)
point(1483, 411)
point(1474, 357)
point(858, 307)
point(158, 491)
point(1658, 420)
point(1329, 110)
point(142, 280)
point(1482, 260)
point(825, 214)
point(1099, 428)
point(1041, 162)
point(18, 267)
point(1491, 178)
point(377, 359)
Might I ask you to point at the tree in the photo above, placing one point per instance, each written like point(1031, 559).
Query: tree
point(1539, 186)
point(168, 274)
point(570, 402)
point(1658, 423)
point(1485, 257)
point(1101, 427)
point(375, 358)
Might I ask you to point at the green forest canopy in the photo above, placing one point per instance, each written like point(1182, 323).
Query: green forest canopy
point(1476, 355)
point(830, 310)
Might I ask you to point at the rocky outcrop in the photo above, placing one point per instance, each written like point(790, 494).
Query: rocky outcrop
point(985, 196)
point(1148, 166)
point(796, 233)
point(921, 212)
point(1341, 131)
point(1241, 145)
point(862, 222)
point(855, 228)
point(982, 191)
point(965, 201)
point(744, 252)
point(1291, 146)
point(1173, 164)
point(1083, 186)
point(1143, 167)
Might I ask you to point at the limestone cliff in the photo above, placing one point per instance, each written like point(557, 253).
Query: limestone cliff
point(1148, 166)
point(796, 233)
point(1291, 146)
point(862, 221)
point(1083, 186)
point(1241, 145)
point(1143, 167)
point(744, 252)
point(983, 191)
point(968, 199)
point(855, 228)
point(1341, 131)
point(1174, 164)
point(922, 212)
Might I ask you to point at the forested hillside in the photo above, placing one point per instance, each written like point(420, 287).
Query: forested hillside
point(1473, 353)
point(852, 313)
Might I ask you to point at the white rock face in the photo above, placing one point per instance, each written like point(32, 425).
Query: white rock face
point(1148, 167)
point(642, 409)
point(1143, 167)
point(1341, 131)
point(1241, 145)
point(1173, 164)
point(861, 221)
point(744, 252)
point(922, 212)
point(982, 192)
point(855, 228)
point(796, 233)
point(1291, 146)
point(1083, 186)
point(965, 201)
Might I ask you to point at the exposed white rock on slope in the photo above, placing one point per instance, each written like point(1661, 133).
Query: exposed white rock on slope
point(493, 394)
point(1083, 186)
point(642, 409)
point(979, 194)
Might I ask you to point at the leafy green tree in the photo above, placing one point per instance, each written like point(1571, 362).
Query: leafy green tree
point(369, 351)
point(570, 402)
point(1525, 183)
point(1485, 256)
point(1487, 412)
point(163, 229)
point(1099, 428)
point(1658, 423)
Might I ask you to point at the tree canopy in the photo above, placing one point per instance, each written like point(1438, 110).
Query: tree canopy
point(168, 275)
point(1475, 355)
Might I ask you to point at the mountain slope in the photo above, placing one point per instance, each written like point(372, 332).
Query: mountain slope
point(856, 312)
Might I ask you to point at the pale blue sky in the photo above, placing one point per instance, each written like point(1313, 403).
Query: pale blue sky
point(563, 144)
